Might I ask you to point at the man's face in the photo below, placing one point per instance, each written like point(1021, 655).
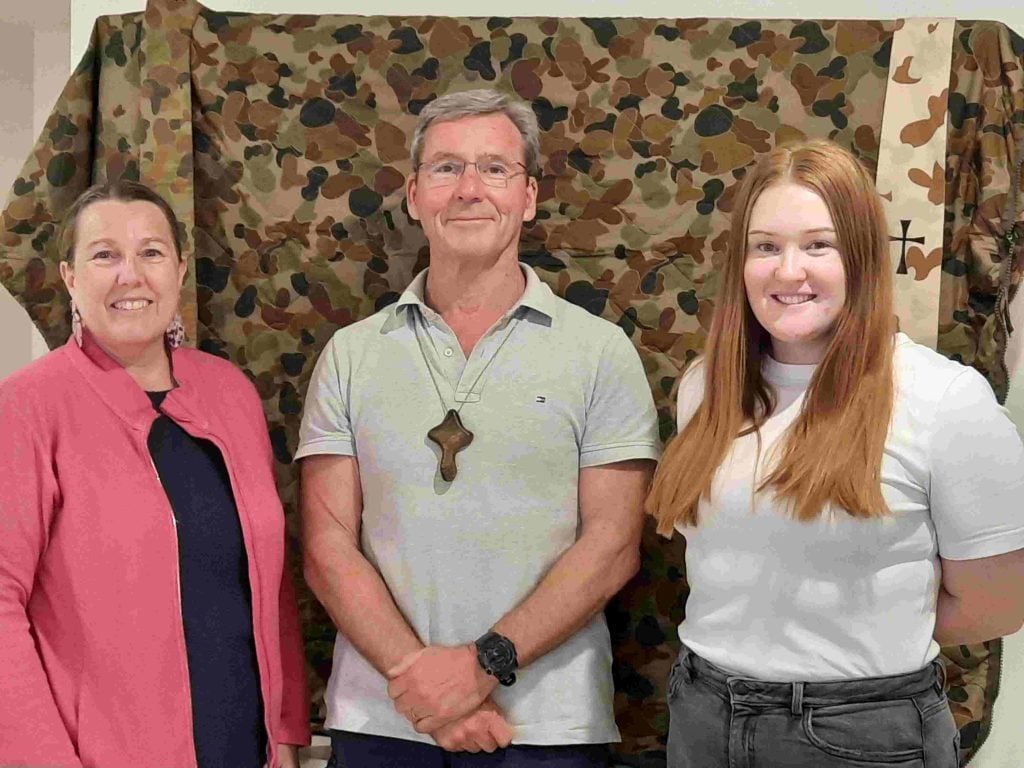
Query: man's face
point(464, 217)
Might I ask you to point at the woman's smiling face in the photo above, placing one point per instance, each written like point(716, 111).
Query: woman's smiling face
point(793, 273)
point(126, 275)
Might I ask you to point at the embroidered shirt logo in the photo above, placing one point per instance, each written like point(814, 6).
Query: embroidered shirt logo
point(541, 399)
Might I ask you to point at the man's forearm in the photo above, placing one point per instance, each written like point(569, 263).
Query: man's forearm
point(359, 603)
point(579, 585)
point(592, 570)
point(441, 685)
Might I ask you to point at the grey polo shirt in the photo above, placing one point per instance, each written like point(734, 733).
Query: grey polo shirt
point(548, 390)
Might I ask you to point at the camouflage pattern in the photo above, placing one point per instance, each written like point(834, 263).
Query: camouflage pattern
point(299, 146)
point(983, 248)
point(165, 122)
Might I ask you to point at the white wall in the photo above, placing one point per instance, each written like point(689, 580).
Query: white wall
point(16, 47)
point(33, 68)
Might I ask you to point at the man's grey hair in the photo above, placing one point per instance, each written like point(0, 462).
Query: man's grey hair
point(483, 101)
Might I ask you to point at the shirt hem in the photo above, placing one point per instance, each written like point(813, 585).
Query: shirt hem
point(524, 735)
point(325, 447)
point(760, 672)
point(988, 547)
point(624, 452)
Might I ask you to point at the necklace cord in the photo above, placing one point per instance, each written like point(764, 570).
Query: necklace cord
point(513, 323)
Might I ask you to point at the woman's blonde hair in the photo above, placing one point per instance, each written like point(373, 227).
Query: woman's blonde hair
point(832, 453)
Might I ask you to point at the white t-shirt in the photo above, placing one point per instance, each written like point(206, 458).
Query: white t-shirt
point(841, 598)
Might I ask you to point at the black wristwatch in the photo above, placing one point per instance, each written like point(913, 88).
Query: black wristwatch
point(497, 656)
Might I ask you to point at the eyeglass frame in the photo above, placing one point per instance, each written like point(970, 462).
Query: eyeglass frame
point(475, 163)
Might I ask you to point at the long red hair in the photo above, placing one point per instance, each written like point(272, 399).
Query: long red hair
point(832, 453)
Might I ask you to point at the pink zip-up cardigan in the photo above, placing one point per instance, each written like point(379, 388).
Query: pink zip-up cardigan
point(93, 670)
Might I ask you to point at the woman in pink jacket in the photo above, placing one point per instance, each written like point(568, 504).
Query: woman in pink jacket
point(146, 618)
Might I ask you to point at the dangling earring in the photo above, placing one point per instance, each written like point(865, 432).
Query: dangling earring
point(175, 333)
point(76, 324)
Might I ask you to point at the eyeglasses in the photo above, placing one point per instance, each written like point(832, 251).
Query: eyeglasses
point(492, 172)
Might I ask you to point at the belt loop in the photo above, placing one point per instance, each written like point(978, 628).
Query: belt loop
point(796, 705)
point(687, 665)
point(941, 675)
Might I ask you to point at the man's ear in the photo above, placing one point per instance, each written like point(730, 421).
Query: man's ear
point(530, 212)
point(410, 195)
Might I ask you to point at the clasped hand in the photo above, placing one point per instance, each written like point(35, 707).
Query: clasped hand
point(444, 692)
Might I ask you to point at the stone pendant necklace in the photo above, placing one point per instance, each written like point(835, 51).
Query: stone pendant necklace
point(451, 436)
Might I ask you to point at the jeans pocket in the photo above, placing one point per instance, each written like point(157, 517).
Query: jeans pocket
point(879, 732)
point(698, 723)
point(940, 735)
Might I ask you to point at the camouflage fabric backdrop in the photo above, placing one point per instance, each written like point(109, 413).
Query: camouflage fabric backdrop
point(282, 142)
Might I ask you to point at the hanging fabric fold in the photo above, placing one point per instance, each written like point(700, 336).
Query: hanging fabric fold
point(165, 126)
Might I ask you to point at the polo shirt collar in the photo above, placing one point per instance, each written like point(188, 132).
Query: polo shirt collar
point(414, 292)
point(537, 295)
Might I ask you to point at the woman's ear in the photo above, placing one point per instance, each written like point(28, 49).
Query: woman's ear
point(67, 274)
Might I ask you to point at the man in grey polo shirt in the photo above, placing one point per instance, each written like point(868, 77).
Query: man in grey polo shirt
point(474, 462)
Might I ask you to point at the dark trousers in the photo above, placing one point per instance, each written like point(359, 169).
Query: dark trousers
point(359, 750)
point(717, 720)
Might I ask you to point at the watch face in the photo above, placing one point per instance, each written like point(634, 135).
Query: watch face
point(501, 654)
point(497, 655)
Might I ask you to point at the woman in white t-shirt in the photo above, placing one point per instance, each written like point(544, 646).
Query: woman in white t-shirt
point(850, 499)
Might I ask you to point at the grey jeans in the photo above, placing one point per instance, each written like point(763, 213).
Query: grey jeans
point(717, 720)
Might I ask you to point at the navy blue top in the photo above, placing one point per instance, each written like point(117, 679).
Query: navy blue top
point(216, 600)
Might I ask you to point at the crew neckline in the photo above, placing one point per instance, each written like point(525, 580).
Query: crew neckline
point(787, 373)
point(791, 374)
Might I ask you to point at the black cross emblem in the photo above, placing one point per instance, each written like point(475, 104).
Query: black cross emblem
point(903, 239)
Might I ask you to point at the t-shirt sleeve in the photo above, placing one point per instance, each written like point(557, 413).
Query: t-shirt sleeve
point(621, 420)
point(326, 427)
point(977, 473)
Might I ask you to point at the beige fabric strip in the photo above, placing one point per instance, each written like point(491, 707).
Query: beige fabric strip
point(912, 168)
